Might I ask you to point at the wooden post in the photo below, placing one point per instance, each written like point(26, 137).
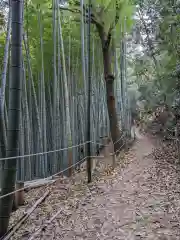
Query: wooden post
point(70, 162)
point(15, 204)
point(105, 148)
point(114, 161)
point(19, 196)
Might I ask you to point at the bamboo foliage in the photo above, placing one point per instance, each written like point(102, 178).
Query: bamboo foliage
point(53, 105)
point(53, 110)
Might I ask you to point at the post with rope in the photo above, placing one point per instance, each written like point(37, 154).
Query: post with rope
point(89, 97)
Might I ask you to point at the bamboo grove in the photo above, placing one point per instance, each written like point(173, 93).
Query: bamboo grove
point(54, 86)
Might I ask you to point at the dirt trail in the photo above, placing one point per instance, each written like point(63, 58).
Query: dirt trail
point(134, 207)
point(137, 205)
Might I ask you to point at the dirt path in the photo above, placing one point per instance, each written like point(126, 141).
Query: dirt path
point(135, 207)
point(140, 203)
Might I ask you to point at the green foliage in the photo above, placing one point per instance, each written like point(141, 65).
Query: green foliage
point(157, 69)
point(108, 14)
point(2, 45)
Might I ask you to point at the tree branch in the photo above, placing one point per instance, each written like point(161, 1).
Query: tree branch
point(113, 25)
point(118, 7)
point(93, 18)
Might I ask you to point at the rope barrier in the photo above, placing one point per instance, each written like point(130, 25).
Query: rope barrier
point(57, 150)
point(62, 171)
point(77, 163)
point(40, 227)
point(119, 139)
point(8, 194)
point(43, 153)
point(105, 145)
point(119, 149)
point(50, 177)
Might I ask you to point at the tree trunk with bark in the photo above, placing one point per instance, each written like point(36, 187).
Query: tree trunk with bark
point(109, 81)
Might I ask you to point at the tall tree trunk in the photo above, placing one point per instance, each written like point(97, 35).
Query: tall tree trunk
point(27, 125)
point(9, 174)
point(54, 102)
point(109, 81)
point(123, 89)
point(65, 87)
point(36, 108)
point(3, 140)
point(43, 103)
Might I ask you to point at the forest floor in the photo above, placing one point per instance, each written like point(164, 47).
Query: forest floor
point(140, 199)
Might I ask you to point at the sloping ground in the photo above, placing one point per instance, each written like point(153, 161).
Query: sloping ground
point(139, 200)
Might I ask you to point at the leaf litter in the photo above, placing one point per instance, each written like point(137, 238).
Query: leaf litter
point(139, 199)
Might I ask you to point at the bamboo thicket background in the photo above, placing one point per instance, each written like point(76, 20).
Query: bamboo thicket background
point(54, 89)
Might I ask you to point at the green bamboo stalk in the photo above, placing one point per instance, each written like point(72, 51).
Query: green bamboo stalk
point(9, 174)
point(66, 92)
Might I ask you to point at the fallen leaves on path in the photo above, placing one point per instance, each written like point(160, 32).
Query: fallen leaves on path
point(66, 194)
point(137, 200)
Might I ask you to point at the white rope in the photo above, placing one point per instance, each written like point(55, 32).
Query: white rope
point(62, 171)
point(119, 139)
point(47, 178)
point(118, 149)
point(101, 144)
point(57, 150)
point(43, 153)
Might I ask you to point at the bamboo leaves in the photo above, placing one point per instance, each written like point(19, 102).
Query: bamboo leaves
point(54, 99)
point(103, 3)
point(105, 13)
